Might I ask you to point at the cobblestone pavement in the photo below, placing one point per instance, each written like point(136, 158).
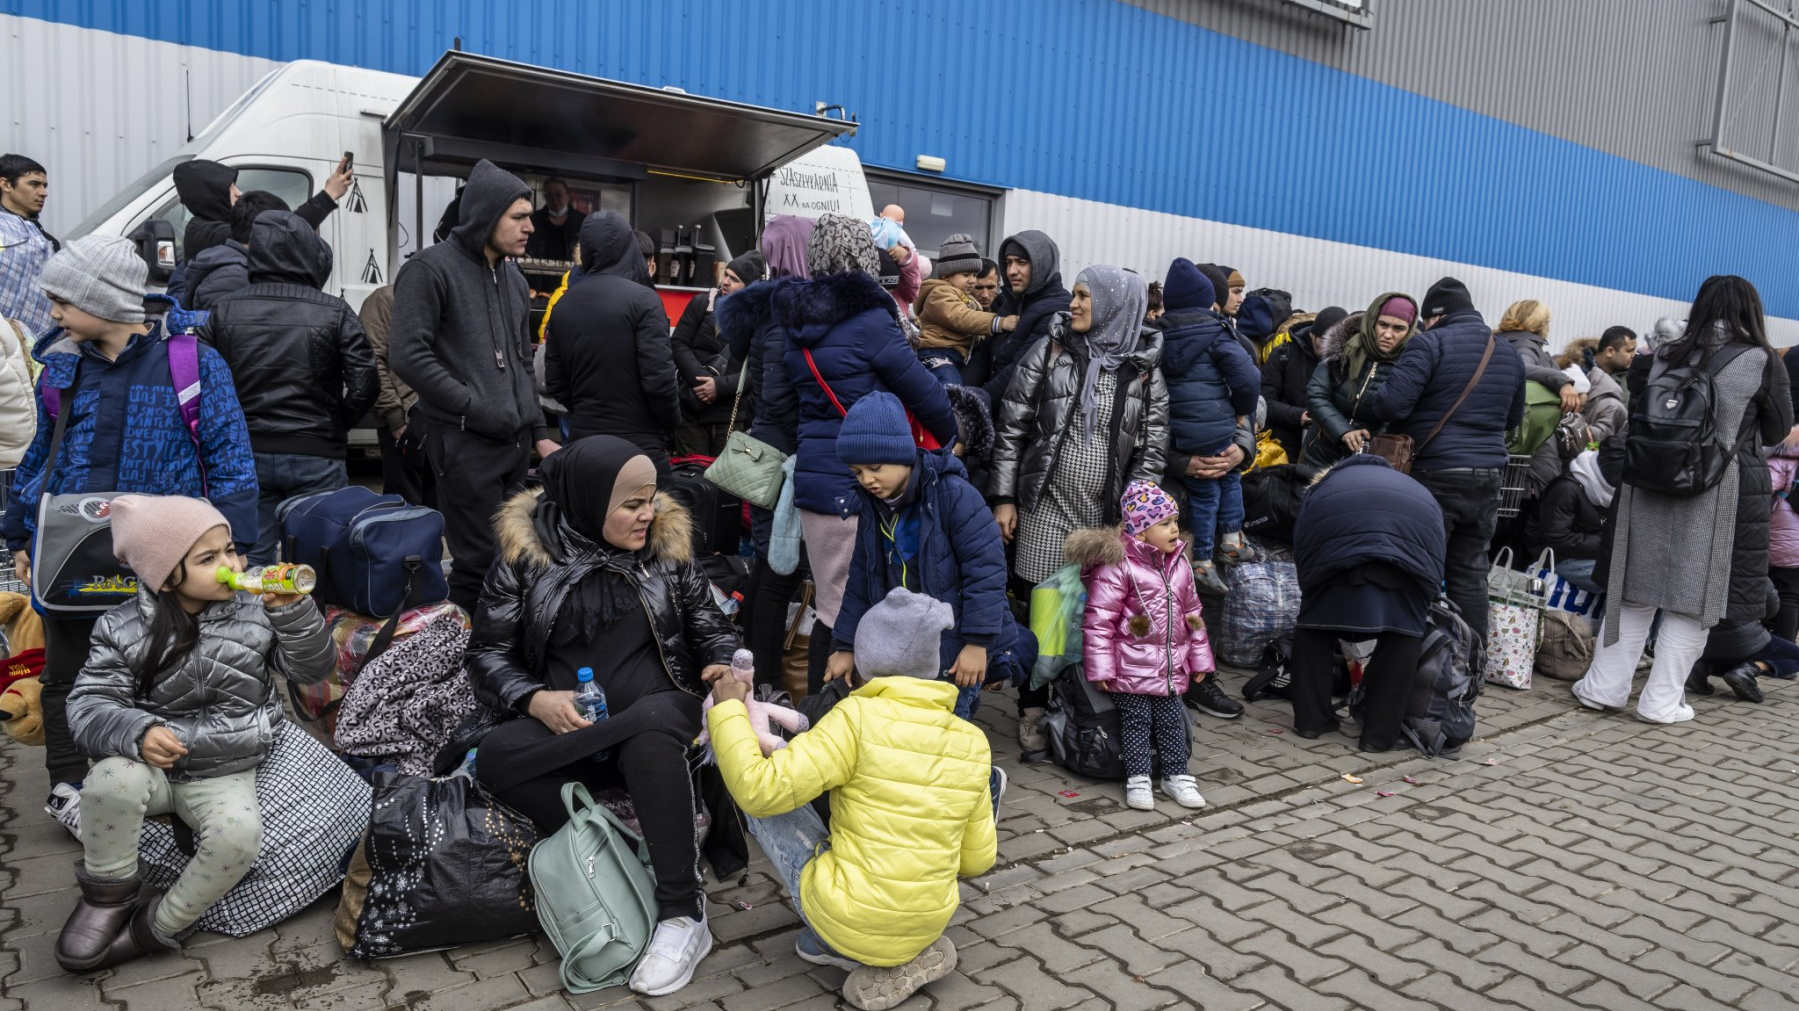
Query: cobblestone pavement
point(1566, 860)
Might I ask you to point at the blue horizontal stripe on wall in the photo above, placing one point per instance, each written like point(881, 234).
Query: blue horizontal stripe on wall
point(1094, 99)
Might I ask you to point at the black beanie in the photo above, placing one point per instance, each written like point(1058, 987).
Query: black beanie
point(1446, 296)
point(1221, 285)
point(1328, 317)
point(749, 268)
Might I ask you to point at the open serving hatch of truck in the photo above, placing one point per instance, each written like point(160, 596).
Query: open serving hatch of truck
point(540, 121)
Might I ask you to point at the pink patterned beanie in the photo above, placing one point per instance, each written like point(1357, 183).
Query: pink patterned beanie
point(1145, 505)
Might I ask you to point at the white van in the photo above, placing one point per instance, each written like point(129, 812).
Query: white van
point(669, 161)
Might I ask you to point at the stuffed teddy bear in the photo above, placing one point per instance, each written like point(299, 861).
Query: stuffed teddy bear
point(764, 716)
point(21, 708)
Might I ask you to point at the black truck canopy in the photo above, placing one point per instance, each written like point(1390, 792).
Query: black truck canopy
point(469, 107)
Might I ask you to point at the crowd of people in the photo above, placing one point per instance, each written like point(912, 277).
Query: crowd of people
point(959, 433)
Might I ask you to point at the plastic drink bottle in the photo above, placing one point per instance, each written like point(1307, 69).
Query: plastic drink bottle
point(284, 578)
point(590, 698)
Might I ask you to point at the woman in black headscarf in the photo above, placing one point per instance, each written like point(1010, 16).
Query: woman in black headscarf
point(595, 571)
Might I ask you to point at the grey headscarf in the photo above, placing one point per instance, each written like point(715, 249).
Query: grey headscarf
point(1120, 299)
point(840, 243)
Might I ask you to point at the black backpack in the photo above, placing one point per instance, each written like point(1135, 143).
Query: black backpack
point(1672, 446)
point(1439, 719)
point(1084, 730)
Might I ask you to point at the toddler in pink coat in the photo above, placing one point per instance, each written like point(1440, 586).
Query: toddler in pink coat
point(1143, 639)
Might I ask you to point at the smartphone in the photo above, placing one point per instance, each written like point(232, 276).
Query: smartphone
point(349, 161)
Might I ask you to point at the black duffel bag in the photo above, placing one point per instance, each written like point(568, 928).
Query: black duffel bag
point(1084, 730)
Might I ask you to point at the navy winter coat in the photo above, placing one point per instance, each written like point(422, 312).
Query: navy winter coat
point(1365, 511)
point(746, 322)
point(850, 325)
point(946, 529)
point(1431, 373)
point(1211, 382)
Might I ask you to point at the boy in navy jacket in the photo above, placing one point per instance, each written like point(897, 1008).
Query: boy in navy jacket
point(924, 527)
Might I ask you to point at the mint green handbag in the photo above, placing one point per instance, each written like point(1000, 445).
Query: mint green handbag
point(596, 898)
point(748, 468)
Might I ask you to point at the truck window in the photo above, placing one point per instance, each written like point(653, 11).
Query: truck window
point(291, 185)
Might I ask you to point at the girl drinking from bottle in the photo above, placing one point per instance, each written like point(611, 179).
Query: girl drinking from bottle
point(596, 572)
point(178, 702)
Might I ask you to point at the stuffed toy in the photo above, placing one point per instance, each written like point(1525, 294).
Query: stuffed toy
point(23, 628)
point(21, 707)
point(764, 716)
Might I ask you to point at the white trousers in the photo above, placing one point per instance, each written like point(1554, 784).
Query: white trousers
point(1677, 647)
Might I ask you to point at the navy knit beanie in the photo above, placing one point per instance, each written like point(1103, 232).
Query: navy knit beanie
point(1256, 318)
point(1446, 296)
point(1186, 288)
point(876, 431)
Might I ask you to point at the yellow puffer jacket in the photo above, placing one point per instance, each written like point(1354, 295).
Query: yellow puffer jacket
point(910, 810)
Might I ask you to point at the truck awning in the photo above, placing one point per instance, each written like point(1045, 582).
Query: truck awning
point(469, 107)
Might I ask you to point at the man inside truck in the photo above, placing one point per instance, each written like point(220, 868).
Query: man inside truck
point(556, 226)
point(459, 339)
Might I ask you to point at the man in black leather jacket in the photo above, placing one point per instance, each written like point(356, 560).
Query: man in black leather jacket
point(304, 371)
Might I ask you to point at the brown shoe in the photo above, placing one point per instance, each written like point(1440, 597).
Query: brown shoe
point(103, 911)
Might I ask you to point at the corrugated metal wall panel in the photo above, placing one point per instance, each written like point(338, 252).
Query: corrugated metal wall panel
point(1107, 102)
point(97, 139)
point(1634, 78)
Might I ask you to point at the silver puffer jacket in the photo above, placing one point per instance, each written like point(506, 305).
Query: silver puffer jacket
point(220, 700)
point(1042, 402)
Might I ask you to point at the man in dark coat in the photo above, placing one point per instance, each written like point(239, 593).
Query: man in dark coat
point(460, 340)
point(225, 269)
point(607, 355)
point(1033, 292)
point(208, 190)
point(1432, 389)
point(304, 371)
point(1368, 547)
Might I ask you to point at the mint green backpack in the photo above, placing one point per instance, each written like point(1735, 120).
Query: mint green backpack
point(595, 895)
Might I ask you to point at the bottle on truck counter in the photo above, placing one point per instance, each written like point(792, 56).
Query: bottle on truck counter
point(282, 578)
point(590, 698)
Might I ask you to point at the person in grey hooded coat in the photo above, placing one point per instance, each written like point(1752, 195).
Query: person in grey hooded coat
point(460, 340)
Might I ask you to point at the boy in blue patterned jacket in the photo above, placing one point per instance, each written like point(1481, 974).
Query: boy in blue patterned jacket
point(124, 432)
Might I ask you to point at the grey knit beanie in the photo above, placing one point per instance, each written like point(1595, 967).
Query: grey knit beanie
point(902, 636)
point(957, 255)
point(101, 275)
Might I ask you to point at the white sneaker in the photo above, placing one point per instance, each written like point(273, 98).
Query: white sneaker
point(675, 951)
point(1184, 790)
point(1137, 794)
point(65, 806)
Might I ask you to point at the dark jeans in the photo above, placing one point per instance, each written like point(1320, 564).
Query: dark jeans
point(1387, 678)
point(406, 474)
point(483, 473)
point(652, 767)
point(281, 476)
point(66, 643)
point(1786, 623)
point(1470, 500)
point(944, 363)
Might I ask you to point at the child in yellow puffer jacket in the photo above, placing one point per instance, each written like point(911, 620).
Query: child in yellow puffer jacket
point(913, 798)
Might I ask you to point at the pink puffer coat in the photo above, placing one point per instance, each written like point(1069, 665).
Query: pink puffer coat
point(1142, 633)
point(1783, 525)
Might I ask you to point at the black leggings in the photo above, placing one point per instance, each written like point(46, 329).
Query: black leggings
point(652, 767)
point(66, 643)
point(1388, 678)
point(1786, 582)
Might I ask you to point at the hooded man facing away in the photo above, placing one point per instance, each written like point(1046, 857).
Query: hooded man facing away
point(460, 340)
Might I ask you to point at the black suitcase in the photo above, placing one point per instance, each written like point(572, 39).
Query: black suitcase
point(717, 517)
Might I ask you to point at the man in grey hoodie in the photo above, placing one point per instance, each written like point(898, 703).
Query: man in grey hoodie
point(460, 339)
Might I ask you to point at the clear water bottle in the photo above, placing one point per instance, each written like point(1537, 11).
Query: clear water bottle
point(590, 698)
point(467, 769)
point(743, 666)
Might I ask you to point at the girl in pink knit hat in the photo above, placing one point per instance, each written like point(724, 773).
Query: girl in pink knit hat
point(1142, 638)
point(178, 702)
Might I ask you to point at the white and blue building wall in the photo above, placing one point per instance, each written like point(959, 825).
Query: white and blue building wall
point(1129, 134)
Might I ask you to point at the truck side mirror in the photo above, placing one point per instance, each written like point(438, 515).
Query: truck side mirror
point(155, 241)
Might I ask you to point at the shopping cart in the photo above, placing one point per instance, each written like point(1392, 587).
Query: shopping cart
point(1512, 485)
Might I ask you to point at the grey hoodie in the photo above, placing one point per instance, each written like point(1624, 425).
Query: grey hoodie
point(460, 328)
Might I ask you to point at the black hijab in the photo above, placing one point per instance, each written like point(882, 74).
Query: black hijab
point(580, 485)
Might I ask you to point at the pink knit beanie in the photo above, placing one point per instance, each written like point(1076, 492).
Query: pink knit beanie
point(153, 533)
point(1145, 505)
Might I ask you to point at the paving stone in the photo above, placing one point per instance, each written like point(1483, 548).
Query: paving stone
point(495, 991)
point(1025, 979)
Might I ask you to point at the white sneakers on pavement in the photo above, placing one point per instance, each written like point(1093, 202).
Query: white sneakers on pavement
point(1137, 794)
point(675, 951)
point(1183, 790)
point(65, 806)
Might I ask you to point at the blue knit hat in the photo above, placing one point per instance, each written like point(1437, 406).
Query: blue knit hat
point(876, 431)
point(1256, 318)
point(1186, 287)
